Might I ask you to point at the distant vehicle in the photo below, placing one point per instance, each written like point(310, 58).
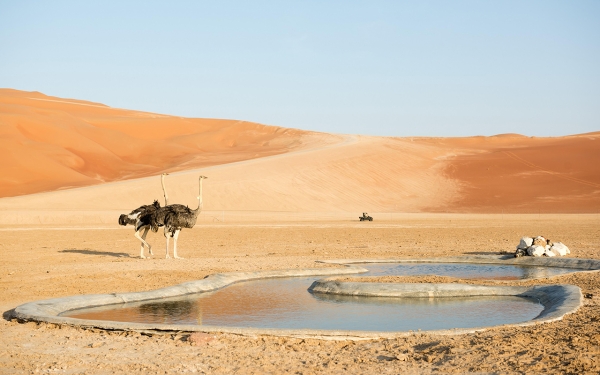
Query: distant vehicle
point(365, 217)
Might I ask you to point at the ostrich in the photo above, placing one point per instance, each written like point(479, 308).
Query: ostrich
point(139, 218)
point(175, 217)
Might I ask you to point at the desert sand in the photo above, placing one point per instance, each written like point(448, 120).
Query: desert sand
point(276, 199)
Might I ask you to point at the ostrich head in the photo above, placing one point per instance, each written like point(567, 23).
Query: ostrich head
point(123, 219)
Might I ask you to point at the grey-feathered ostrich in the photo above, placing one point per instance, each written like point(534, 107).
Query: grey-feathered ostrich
point(136, 218)
point(140, 219)
point(175, 217)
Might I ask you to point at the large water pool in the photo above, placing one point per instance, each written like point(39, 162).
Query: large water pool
point(285, 303)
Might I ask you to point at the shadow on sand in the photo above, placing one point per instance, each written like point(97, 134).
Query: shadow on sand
point(96, 252)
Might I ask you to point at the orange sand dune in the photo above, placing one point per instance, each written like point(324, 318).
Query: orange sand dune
point(521, 174)
point(53, 143)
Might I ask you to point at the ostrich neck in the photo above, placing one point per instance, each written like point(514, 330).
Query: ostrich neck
point(164, 190)
point(200, 197)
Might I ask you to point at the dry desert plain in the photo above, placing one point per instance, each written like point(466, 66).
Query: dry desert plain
point(277, 199)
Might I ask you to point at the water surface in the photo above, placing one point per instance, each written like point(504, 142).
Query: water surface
point(286, 304)
point(464, 270)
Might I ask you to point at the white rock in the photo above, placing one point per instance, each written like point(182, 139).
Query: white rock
point(555, 252)
point(540, 241)
point(560, 249)
point(549, 253)
point(525, 243)
point(536, 251)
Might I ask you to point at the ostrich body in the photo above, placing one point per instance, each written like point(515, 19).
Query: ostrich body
point(174, 218)
point(140, 219)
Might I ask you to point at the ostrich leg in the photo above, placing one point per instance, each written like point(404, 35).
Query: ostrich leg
point(175, 235)
point(144, 237)
point(167, 235)
point(143, 241)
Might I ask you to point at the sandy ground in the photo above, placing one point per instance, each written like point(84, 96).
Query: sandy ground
point(51, 262)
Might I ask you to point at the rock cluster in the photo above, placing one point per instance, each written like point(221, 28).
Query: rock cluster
point(540, 246)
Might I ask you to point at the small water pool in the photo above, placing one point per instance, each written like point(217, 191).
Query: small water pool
point(465, 270)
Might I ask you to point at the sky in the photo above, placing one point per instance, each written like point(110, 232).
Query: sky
point(387, 68)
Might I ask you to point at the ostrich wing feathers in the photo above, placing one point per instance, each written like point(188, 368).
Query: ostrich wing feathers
point(135, 215)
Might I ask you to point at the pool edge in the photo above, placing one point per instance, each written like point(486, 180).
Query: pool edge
point(556, 304)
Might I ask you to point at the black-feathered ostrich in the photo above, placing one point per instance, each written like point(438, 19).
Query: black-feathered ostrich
point(140, 219)
point(174, 218)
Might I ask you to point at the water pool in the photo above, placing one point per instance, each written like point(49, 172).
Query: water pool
point(278, 302)
point(286, 304)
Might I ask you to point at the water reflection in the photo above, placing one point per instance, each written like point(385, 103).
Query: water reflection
point(169, 312)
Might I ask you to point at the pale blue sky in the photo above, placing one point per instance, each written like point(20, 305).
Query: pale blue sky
point(394, 68)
